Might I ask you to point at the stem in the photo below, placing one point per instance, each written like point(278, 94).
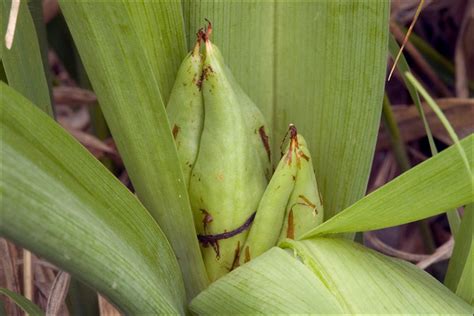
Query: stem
point(397, 144)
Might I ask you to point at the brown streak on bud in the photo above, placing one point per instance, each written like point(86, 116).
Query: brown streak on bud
point(205, 73)
point(206, 219)
point(265, 142)
point(176, 129)
point(247, 254)
point(235, 263)
point(290, 231)
point(308, 203)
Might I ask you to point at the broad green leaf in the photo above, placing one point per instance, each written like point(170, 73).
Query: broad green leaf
point(437, 184)
point(129, 93)
point(160, 30)
point(25, 304)
point(367, 282)
point(459, 277)
point(60, 202)
point(23, 63)
point(323, 71)
point(274, 283)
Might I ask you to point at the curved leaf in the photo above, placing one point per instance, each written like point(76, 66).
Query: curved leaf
point(459, 277)
point(63, 204)
point(23, 63)
point(367, 282)
point(327, 276)
point(323, 71)
point(430, 188)
point(25, 304)
point(129, 92)
point(274, 283)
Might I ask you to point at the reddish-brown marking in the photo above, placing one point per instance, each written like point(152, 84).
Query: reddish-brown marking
point(208, 32)
point(207, 219)
point(308, 203)
point(204, 75)
point(176, 129)
point(265, 142)
point(302, 155)
point(290, 231)
point(235, 263)
point(293, 132)
point(247, 254)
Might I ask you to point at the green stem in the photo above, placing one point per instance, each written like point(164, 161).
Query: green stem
point(397, 144)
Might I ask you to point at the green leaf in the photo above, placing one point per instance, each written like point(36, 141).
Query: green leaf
point(327, 276)
point(437, 184)
point(25, 304)
point(274, 283)
point(436, 109)
point(23, 63)
point(459, 277)
point(60, 202)
point(323, 71)
point(367, 282)
point(160, 30)
point(129, 93)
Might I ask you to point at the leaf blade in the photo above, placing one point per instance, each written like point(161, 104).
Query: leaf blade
point(442, 178)
point(367, 282)
point(25, 304)
point(23, 63)
point(99, 233)
point(106, 36)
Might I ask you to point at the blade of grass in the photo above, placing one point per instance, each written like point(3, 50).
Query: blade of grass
point(431, 187)
point(397, 144)
point(25, 304)
point(459, 275)
point(60, 202)
point(24, 63)
point(452, 134)
point(403, 162)
point(323, 71)
point(130, 96)
point(453, 216)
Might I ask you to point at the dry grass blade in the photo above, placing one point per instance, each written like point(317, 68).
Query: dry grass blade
point(9, 35)
point(91, 142)
point(442, 253)
point(66, 95)
point(73, 119)
point(8, 275)
point(405, 40)
point(58, 294)
point(421, 62)
point(459, 112)
point(464, 54)
point(107, 309)
point(28, 275)
point(423, 260)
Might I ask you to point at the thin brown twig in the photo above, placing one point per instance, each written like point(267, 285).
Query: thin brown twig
point(421, 62)
point(28, 274)
point(442, 253)
point(405, 39)
point(423, 260)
